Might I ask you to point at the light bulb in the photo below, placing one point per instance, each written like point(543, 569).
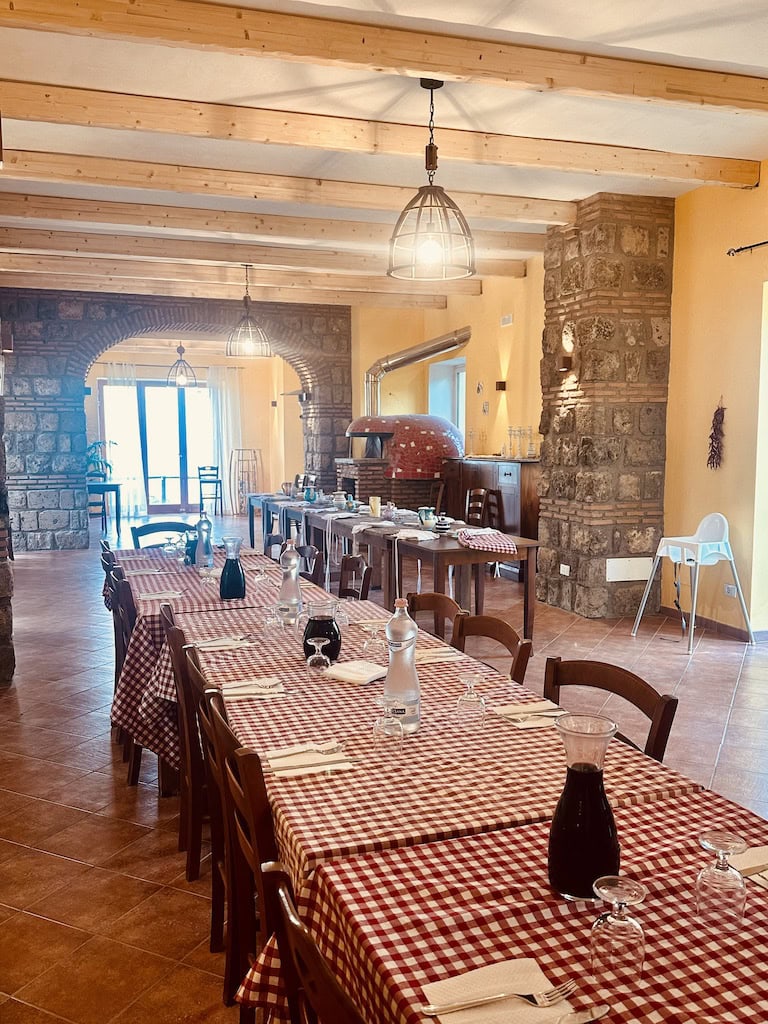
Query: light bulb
point(430, 250)
point(181, 380)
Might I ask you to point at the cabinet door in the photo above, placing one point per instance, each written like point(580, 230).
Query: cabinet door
point(453, 499)
point(509, 488)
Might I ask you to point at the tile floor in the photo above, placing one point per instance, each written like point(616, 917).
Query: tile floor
point(97, 923)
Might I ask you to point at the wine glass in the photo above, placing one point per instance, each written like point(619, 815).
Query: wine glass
point(617, 943)
point(721, 892)
point(470, 706)
point(374, 646)
point(317, 662)
point(169, 548)
point(388, 729)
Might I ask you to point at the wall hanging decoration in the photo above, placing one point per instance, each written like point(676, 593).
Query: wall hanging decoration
point(715, 457)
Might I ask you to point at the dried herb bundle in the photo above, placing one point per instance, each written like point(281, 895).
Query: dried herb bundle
point(715, 457)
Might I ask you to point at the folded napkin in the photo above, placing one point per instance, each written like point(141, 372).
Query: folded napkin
point(150, 572)
point(224, 643)
point(263, 689)
point(528, 716)
point(522, 975)
point(752, 862)
point(160, 595)
point(307, 759)
point(358, 672)
point(436, 654)
point(380, 524)
point(421, 536)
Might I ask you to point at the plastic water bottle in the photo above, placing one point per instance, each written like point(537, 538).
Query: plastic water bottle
point(401, 684)
point(204, 547)
point(290, 591)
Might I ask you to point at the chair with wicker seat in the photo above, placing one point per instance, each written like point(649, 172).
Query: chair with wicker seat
point(354, 577)
point(658, 708)
point(193, 803)
point(319, 993)
point(444, 609)
point(491, 628)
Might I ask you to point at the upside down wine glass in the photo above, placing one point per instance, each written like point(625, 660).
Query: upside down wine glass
point(617, 943)
point(721, 892)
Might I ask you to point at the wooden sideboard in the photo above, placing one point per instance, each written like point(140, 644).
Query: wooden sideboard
point(516, 483)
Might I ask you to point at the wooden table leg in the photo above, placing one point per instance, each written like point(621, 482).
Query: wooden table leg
point(479, 574)
point(529, 594)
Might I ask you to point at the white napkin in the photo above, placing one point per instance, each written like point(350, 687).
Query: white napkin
point(224, 643)
point(306, 759)
point(752, 861)
point(150, 572)
point(421, 536)
point(527, 716)
point(380, 524)
point(523, 975)
point(161, 595)
point(264, 688)
point(358, 672)
point(435, 654)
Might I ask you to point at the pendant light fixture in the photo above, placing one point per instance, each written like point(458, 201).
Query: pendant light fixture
point(431, 240)
point(247, 339)
point(181, 374)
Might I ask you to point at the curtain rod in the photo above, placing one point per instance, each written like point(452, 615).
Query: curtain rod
point(746, 248)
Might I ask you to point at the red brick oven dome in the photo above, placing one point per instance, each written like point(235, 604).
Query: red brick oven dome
point(414, 446)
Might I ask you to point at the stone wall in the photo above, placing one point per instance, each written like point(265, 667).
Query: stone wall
point(57, 336)
point(607, 289)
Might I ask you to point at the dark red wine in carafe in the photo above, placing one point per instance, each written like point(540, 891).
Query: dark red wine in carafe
point(583, 844)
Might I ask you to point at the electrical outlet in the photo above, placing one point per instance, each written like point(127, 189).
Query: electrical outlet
point(565, 570)
point(507, 320)
point(730, 590)
point(486, 408)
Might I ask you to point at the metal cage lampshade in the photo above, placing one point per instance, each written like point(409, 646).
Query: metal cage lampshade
point(431, 240)
point(247, 339)
point(181, 374)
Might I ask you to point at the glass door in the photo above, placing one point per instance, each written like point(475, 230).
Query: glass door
point(176, 437)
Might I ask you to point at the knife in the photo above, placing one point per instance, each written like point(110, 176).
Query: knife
point(272, 770)
point(585, 1016)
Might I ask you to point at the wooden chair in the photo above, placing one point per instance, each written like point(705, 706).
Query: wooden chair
point(104, 544)
point(494, 629)
point(660, 709)
point(211, 488)
point(354, 577)
point(97, 503)
point(444, 609)
point(272, 541)
point(475, 506)
point(122, 596)
point(436, 492)
point(319, 992)
point(165, 527)
point(193, 802)
point(314, 563)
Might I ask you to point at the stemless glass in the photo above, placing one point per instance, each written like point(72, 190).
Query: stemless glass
point(388, 730)
point(374, 646)
point(470, 706)
point(617, 943)
point(317, 662)
point(721, 892)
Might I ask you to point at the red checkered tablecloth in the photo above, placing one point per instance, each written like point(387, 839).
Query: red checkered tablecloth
point(392, 922)
point(492, 540)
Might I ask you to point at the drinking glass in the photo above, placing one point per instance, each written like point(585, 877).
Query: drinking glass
point(617, 943)
point(317, 662)
point(374, 646)
point(388, 730)
point(721, 892)
point(169, 548)
point(470, 706)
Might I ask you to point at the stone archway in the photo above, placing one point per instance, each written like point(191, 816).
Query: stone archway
point(58, 336)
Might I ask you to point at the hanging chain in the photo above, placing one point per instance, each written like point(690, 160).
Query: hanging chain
point(431, 169)
point(247, 293)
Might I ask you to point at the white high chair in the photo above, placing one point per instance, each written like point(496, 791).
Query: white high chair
point(706, 547)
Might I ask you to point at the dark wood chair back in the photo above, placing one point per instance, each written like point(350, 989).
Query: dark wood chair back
point(314, 563)
point(436, 492)
point(104, 544)
point(165, 527)
point(475, 505)
point(493, 512)
point(191, 769)
point(444, 609)
point(272, 541)
point(354, 577)
point(659, 708)
point(490, 627)
point(320, 994)
point(113, 574)
point(123, 595)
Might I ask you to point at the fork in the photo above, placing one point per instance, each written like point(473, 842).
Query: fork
point(335, 749)
point(549, 997)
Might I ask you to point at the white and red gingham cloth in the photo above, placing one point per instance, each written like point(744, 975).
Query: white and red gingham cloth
point(486, 539)
point(392, 922)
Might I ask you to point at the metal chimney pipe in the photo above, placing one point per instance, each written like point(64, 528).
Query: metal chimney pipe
point(424, 350)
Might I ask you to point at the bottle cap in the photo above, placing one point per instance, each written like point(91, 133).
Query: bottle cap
point(401, 602)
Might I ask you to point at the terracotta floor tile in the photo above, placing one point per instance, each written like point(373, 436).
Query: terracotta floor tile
point(15, 1012)
point(33, 741)
point(92, 791)
point(96, 982)
point(203, 959)
point(37, 778)
point(143, 805)
point(23, 938)
point(94, 900)
point(155, 857)
point(169, 922)
point(8, 850)
point(184, 995)
point(94, 839)
point(37, 819)
point(30, 874)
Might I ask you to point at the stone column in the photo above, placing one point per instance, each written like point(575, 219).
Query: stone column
point(607, 286)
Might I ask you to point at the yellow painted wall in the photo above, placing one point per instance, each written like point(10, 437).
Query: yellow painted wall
point(381, 332)
point(717, 349)
point(277, 431)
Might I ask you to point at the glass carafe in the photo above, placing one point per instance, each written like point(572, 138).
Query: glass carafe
point(232, 584)
point(321, 623)
point(583, 844)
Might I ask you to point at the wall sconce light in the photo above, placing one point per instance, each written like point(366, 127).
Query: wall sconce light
point(6, 336)
point(565, 362)
point(567, 343)
point(501, 385)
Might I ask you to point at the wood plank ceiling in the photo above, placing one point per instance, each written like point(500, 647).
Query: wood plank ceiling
point(157, 146)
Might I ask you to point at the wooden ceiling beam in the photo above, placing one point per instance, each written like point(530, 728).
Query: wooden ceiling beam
point(202, 25)
point(21, 207)
point(234, 254)
point(52, 104)
point(68, 169)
